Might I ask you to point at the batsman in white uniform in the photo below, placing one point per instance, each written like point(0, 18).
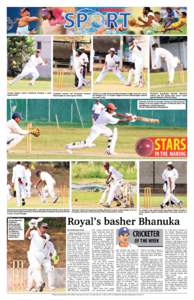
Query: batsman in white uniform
point(107, 116)
point(169, 176)
point(111, 65)
point(78, 65)
point(161, 54)
point(114, 182)
point(136, 66)
point(30, 68)
point(28, 175)
point(36, 254)
point(15, 133)
point(47, 183)
point(18, 182)
point(97, 108)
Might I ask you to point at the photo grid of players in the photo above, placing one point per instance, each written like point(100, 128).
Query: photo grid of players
point(96, 125)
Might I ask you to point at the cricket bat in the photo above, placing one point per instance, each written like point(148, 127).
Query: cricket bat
point(147, 120)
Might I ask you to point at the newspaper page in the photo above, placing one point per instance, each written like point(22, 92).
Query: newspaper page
point(97, 149)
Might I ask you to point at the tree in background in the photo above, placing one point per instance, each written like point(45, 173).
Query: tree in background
point(19, 50)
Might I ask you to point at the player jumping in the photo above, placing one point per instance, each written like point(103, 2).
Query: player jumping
point(107, 116)
point(24, 21)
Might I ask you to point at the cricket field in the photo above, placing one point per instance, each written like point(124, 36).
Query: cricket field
point(52, 141)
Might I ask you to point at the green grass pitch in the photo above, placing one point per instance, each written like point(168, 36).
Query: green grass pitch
point(24, 86)
point(87, 199)
point(159, 83)
point(35, 202)
point(156, 200)
point(52, 141)
point(111, 84)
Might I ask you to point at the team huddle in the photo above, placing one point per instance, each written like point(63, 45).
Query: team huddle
point(22, 184)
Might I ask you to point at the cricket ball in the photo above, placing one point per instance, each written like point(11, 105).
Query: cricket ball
point(144, 147)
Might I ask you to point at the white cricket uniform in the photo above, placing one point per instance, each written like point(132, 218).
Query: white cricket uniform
point(171, 61)
point(100, 128)
point(28, 175)
point(30, 68)
point(111, 65)
point(48, 189)
point(78, 63)
point(170, 176)
point(18, 179)
point(49, 251)
point(116, 181)
point(137, 59)
point(15, 134)
point(23, 30)
point(36, 256)
point(84, 58)
point(96, 110)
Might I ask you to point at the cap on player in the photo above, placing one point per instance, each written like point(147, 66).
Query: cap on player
point(44, 225)
point(112, 50)
point(169, 163)
point(111, 106)
point(16, 115)
point(123, 230)
point(105, 163)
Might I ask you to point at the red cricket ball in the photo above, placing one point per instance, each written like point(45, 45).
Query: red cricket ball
point(144, 147)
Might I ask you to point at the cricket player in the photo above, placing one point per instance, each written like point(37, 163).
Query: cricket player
point(171, 61)
point(18, 182)
point(24, 21)
point(136, 64)
point(28, 175)
point(30, 68)
point(47, 183)
point(15, 133)
point(97, 108)
point(39, 238)
point(123, 237)
point(107, 116)
point(169, 176)
point(111, 65)
point(78, 65)
point(85, 59)
point(8, 188)
point(115, 182)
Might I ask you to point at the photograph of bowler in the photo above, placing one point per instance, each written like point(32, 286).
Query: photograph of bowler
point(163, 185)
point(168, 65)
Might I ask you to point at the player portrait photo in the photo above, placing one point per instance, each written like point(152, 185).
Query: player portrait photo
point(123, 237)
point(72, 65)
